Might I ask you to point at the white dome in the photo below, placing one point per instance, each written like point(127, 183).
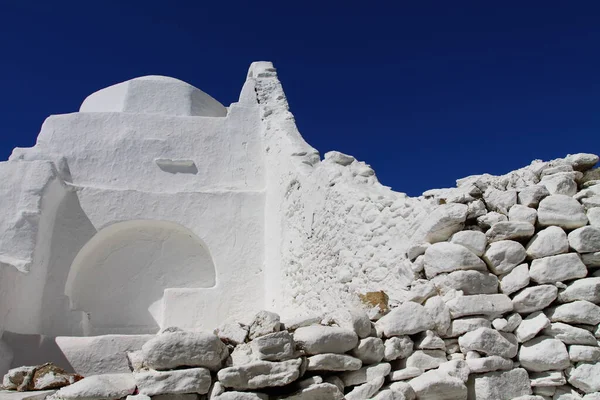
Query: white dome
point(154, 94)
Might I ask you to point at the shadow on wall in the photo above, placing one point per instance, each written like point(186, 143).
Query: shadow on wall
point(118, 278)
point(30, 349)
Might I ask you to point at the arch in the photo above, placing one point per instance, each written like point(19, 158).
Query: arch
point(119, 275)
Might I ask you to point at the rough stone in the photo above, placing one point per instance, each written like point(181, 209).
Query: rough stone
point(547, 379)
point(436, 385)
point(448, 257)
point(561, 210)
point(578, 353)
point(548, 242)
point(369, 350)
point(490, 342)
point(582, 289)
point(576, 312)
point(264, 322)
point(472, 240)
point(500, 200)
point(480, 304)
point(510, 230)
point(585, 239)
point(440, 313)
point(534, 298)
point(522, 213)
point(191, 349)
point(460, 326)
point(366, 390)
point(515, 280)
point(558, 268)
point(586, 377)
point(442, 223)
point(502, 256)
point(333, 362)
point(531, 326)
point(489, 364)
point(543, 354)
point(365, 374)
point(351, 318)
point(277, 346)
point(260, 374)
point(532, 195)
point(191, 380)
point(570, 334)
point(232, 332)
point(426, 359)
point(407, 319)
point(318, 339)
point(506, 385)
point(109, 386)
point(469, 282)
point(397, 347)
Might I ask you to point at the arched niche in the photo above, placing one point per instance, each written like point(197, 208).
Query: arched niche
point(119, 275)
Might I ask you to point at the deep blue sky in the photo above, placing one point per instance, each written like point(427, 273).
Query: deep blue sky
point(424, 91)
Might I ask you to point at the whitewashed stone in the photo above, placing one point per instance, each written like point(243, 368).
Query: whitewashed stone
point(593, 215)
point(591, 259)
point(576, 312)
point(426, 359)
point(404, 374)
point(590, 202)
point(316, 391)
point(570, 334)
point(560, 184)
point(192, 349)
point(365, 374)
point(397, 347)
point(440, 313)
point(333, 362)
point(548, 242)
point(582, 161)
point(429, 340)
point(480, 304)
point(500, 200)
point(351, 318)
point(369, 350)
point(469, 282)
point(472, 240)
point(233, 395)
point(403, 391)
point(191, 380)
point(522, 213)
point(532, 195)
point(534, 298)
point(366, 390)
point(435, 385)
point(579, 353)
point(566, 393)
point(442, 223)
point(516, 279)
point(406, 319)
point(582, 289)
point(562, 267)
point(109, 386)
point(486, 221)
point(232, 332)
point(460, 326)
point(476, 209)
point(531, 326)
point(508, 324)
point(264, 322)
point(547, 378)
point(242, 354)
point(543, 354)
point(421, 290)
point(456, 368)
point(505, 385)
point(585, 239)
point(260, 374)
point(510, 230)
point(586, 377)
point(561, 210)
point(318, 339)
point(448, 257)
point(502, 256)
point(489, 364)
point(416, 249)
point(490, 342)
point(277, 346)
